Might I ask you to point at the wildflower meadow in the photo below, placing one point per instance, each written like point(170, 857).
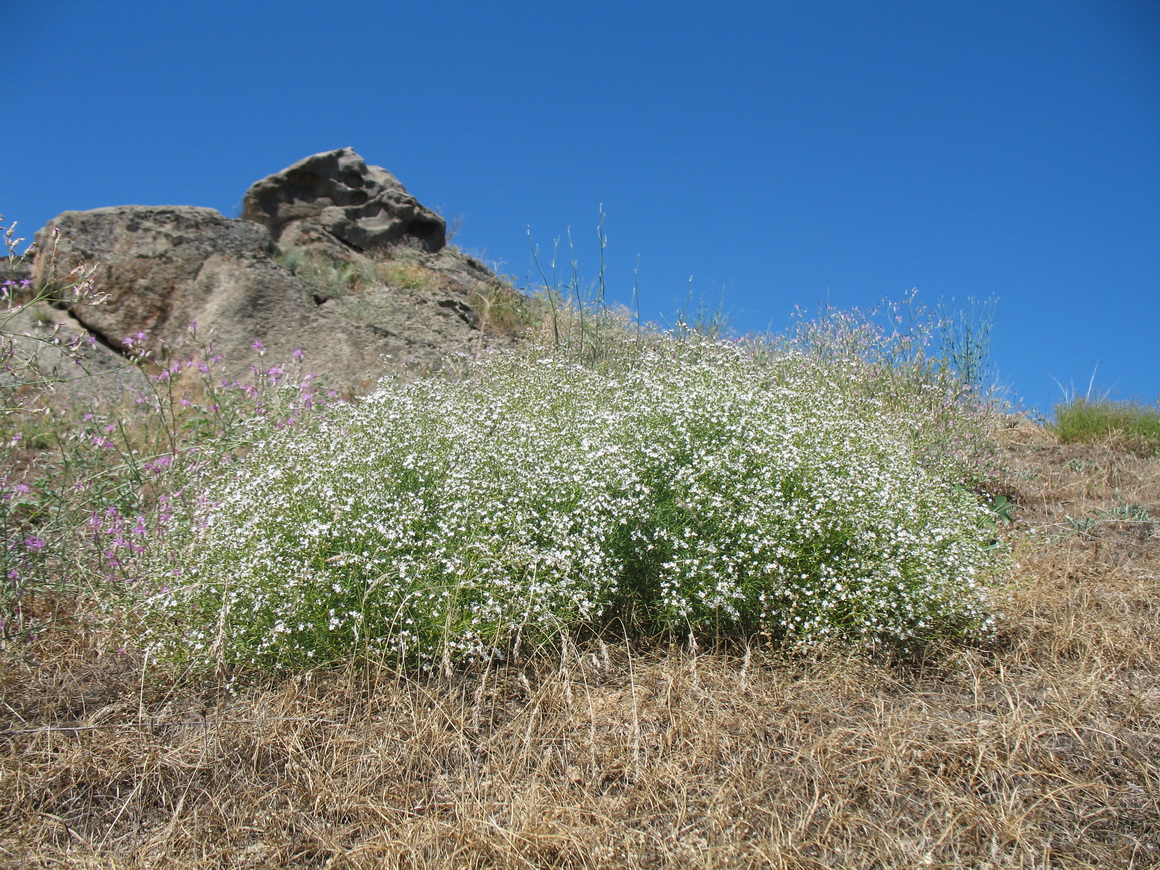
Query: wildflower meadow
point(98, 456)
point(817, 489)
point(687, 488)
point(612, 596)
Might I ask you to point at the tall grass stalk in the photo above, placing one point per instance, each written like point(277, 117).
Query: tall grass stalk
point(965, 340)
point(583, 324)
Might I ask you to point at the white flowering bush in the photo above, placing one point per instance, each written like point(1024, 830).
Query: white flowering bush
point(687, 488)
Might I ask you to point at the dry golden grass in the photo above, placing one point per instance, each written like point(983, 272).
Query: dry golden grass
point(1042, 750)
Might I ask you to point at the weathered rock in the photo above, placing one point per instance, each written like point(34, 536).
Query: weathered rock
point(50, 342)
point(150, 259)
point(364, 208)
point(353, 316)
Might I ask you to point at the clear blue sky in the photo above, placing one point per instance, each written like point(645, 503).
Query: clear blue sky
point(778, 153)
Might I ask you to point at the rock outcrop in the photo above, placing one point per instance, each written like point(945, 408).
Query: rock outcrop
point(338, 261)
point(335, 197)
point(154, 261)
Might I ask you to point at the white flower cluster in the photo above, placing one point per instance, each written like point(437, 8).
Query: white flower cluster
point(689, 488)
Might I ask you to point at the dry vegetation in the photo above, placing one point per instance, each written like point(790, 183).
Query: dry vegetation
point(1042, 750)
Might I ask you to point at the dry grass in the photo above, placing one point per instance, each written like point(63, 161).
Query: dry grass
point(1041, 751)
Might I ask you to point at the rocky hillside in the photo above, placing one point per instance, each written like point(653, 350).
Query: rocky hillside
point(333, 258)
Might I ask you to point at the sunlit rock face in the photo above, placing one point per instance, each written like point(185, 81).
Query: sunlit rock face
point(362, 207)
point(334, 262)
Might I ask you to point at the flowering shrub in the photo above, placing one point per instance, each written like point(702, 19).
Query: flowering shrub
point(689, 487)
point(920, 368)
point(32, 352)
point(23, 374)
point(97, 491)
point(89, 475)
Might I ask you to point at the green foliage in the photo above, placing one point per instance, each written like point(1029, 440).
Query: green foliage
point(504, 310)
point(324, 277)
point(327, 278)
point(678, 487)
point(1128, 512)
point(1135, 425)
point(1124, 512)
point(1003, 509)
point(406, 274)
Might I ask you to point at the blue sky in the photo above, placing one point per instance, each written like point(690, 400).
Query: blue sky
point(764, 154)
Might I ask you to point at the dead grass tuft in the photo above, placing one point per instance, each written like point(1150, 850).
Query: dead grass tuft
point(1040, 751)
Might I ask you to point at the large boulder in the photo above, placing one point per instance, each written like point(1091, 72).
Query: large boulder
point(150, 259)
point(334, 199)
point(354, 315)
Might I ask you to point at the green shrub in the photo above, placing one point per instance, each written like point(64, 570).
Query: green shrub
point(504, 310)
point(689, 487)
point(326, 278)
point(406, 275)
